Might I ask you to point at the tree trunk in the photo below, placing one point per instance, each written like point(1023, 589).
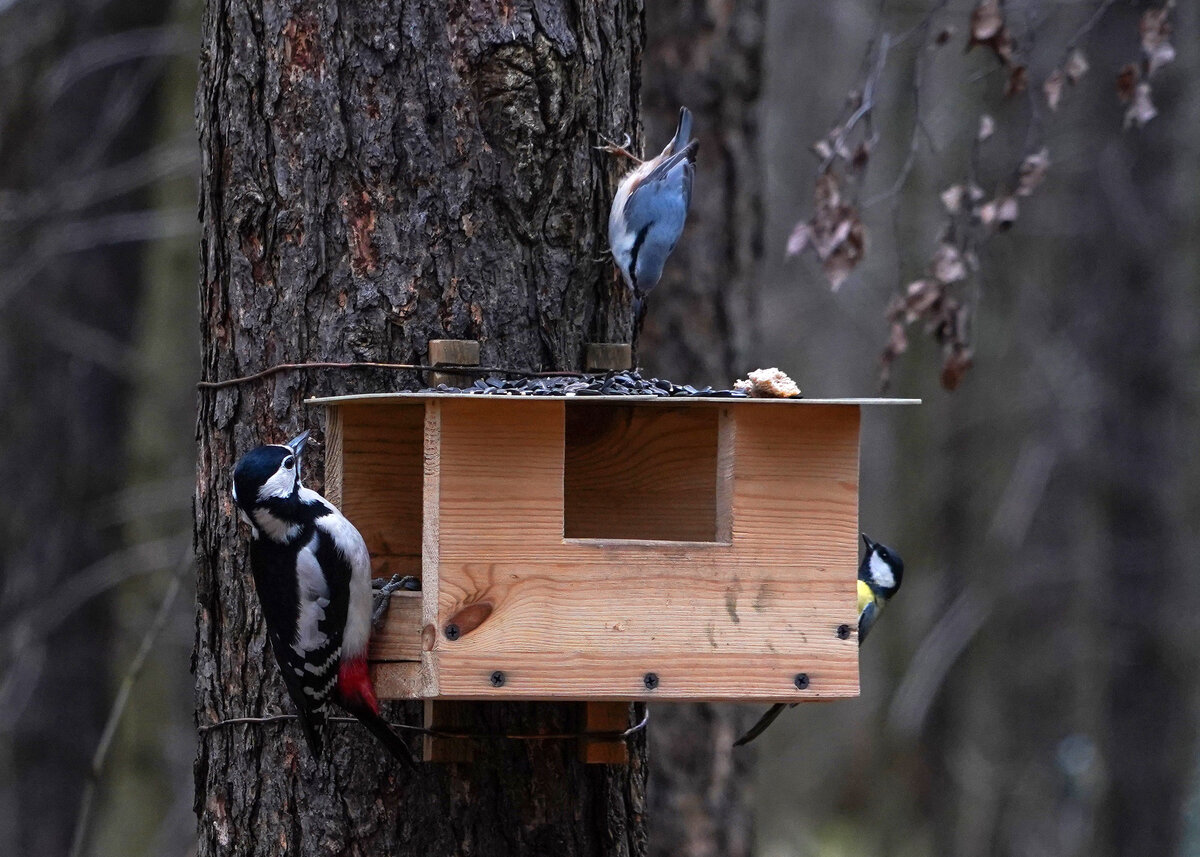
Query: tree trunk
point(376, 175)
point(701, 318)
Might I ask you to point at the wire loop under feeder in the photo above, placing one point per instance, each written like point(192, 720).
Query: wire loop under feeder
point(610, 735)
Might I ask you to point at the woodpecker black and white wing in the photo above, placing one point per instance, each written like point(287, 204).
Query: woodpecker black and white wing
point(303, 590)
point(348, 563)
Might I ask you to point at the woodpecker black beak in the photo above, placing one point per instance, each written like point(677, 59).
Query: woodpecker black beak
point(866, 541)
point(297, 443)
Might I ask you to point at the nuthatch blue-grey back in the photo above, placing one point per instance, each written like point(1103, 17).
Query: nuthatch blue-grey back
point(649, 210)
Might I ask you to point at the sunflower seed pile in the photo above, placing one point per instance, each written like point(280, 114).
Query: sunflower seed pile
point(628, 383)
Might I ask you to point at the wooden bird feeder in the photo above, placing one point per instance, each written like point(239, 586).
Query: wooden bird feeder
point(607, 547)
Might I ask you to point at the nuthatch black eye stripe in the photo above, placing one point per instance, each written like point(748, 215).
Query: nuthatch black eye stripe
point(650, 208)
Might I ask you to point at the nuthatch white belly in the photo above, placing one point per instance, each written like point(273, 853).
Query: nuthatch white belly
point(650, 208)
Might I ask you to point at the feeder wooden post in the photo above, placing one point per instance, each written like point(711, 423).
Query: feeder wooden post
point(609, 357)
point(606, 716)
point(449, 716)
point(452, 352)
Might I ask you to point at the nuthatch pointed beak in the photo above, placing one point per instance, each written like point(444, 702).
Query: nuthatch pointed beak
point(866, 541)
point(297, 443)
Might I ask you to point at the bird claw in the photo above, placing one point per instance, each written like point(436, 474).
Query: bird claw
point(383, 588)
point(614, 148)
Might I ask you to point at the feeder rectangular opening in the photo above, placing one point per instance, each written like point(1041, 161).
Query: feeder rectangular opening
point(643, 473)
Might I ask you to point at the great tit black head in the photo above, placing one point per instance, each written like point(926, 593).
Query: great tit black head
point(882, 568)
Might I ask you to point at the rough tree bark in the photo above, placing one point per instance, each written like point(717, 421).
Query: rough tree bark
point(376, 175)
point(701, 319)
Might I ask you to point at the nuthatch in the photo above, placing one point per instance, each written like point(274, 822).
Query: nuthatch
point(649, 210)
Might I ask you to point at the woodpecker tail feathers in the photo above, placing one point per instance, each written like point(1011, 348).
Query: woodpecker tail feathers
point(313, 723)
point(381, 730)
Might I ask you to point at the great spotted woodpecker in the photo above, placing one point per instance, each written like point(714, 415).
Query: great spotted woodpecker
point(649, 210)
point(312, 573)
point(879, 576)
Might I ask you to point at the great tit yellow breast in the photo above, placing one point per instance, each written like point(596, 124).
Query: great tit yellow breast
point(865, 596)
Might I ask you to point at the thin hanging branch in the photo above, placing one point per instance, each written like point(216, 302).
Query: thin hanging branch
point(117, 711)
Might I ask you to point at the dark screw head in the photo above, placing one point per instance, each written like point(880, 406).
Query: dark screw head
point(650, 680)
point(801, 681)
point(497, 679)
point(452, 632)
point(843, 632)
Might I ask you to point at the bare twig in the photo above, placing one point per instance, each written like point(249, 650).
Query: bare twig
point(88, 234)
point(611, 735)
point(101, 185)
point(108, 51)
point(1088, 26)
point(37, 622)
point(866, 102)
point(122, 700)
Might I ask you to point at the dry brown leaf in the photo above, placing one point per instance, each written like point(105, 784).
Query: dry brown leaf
point(1076, 66)
point(987, 127)
point(952, 198)
point(955, 365)
point(1052, 88)
point(1155, 29)
point(798, 240)
point(988, 29)
point(987, 20)
point(920, 298)
point(1017, 82)
point(1000, 213)
point(1006, 214)
point(1127, 81)
point(860, 156)
point(827, 193)
point(1141, 109)
point(848, 254)
point(1004, 46)
point(947, 265)
point(1032, 172)
point(835, 232)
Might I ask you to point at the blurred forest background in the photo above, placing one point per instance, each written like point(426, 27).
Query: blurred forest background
point(1032, 691)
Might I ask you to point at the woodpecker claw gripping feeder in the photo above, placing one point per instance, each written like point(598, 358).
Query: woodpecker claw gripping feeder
point(605, 549)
